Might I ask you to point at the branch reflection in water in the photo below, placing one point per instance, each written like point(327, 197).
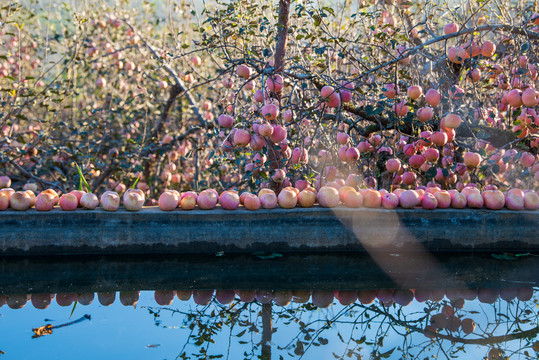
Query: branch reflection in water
point(386, 323)
point(484, 323)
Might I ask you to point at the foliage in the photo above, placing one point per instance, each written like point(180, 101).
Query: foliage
point(135, 92)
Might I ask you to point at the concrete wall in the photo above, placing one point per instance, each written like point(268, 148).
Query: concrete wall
point(321, 271)
point(277, 230)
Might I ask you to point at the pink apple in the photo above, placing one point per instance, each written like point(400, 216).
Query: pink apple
point(68, 202)
point(428, 201)
point(307, 197)
point(188, 201)
point(287, 199)
point(451, 28)
point(251, 202)
point(229, 200)
point(409, 199)
point(531, 200)
point(494, 199)
point(110, 201)
point(4, 201)
point(328, 197)
point(89, 201)
point(268, 200)
point(132, 200)
point(5, 182)
point(393, 165)
point(225, 121)
point(425, 114)
point(452, 121)
point(20, 201)
point(475, 201)
point(472, 159)
point(207, 199)
point(168, 201)
point(352, 199)
point(279, 134)
point(372, 198)
point(415, 92)
point(44, 202)
point(243, 71)
point(275, 83)
point(488, 49)
point(242, 138)
point(433, 97)
point(390, 201)
point(514, 201)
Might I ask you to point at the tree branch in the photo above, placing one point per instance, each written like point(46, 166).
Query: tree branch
point(37, 179)
point(282, 35)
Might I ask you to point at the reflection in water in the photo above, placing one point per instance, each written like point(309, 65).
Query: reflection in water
point(376, 324)
point(48, 328)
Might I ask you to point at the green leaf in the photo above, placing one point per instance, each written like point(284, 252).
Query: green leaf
point(430, 173)
point(73, 309)
point(82, 179)
point(317, 20)
point(136, 181)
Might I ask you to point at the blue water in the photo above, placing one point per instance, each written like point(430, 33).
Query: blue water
point(150, 331)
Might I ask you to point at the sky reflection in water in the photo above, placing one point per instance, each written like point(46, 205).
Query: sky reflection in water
point(300, 330)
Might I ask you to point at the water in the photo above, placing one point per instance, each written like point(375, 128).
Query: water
point(387, 321)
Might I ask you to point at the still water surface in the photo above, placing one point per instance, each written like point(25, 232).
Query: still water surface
point(249, 324)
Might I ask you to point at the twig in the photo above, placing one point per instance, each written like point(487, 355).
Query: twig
point(39, 180)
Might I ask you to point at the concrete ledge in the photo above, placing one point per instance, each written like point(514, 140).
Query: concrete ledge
point(322, 271)
point(277, 230)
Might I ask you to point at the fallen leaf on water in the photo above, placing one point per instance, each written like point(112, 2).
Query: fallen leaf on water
point(47, 329)
point(42, 330)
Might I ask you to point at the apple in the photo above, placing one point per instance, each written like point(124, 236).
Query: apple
point(207, 199)
point(132, 200)
point(287, 199)
point(89, 201)
point(352, 199)
point(169, 201)
point(414, 92)
point(20, 200)
point(251, 202)
point(409, 199)
point(243, 71)
point(225, 121)
point(429, 201)
point(488, 49)
point(494, 199)
point(45, 202)
point(328, 197)
point(110, 201)
point(452, 121)
point(68, 202)
point(433, 97)
point(450, 28)
point(4, 201)
point(5, 182)
point(188, 201)
point(390, 200)
point(372, 198)
point(531, 200)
